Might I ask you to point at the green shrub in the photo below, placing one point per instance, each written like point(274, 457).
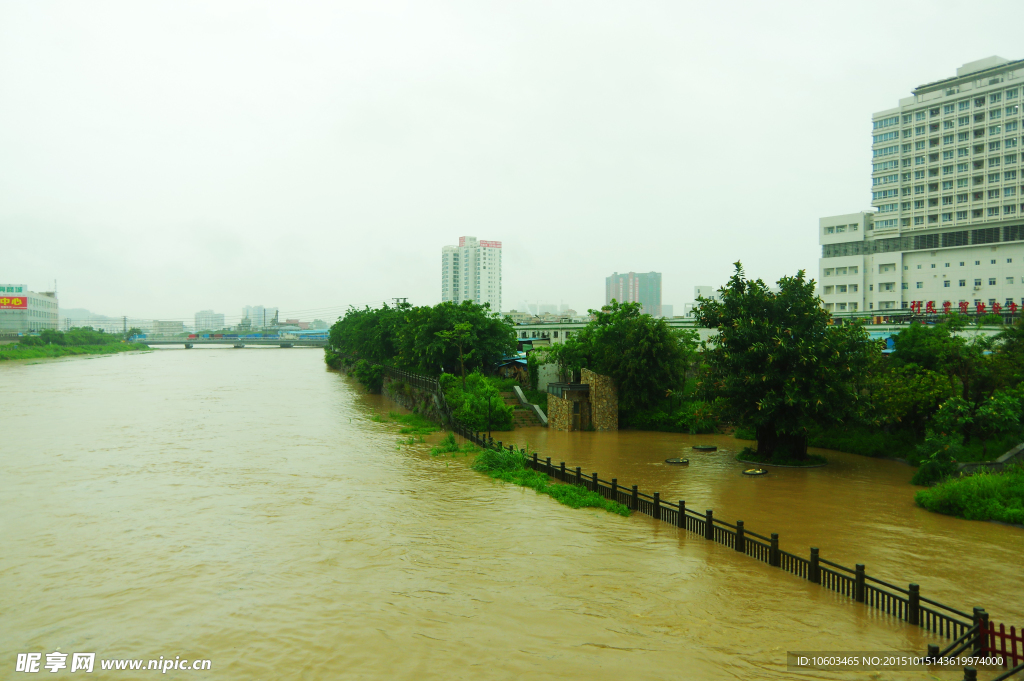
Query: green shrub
point(470, 406)
point(693, 416)
point(370, 375)
point(984, 496)
point(938, 458)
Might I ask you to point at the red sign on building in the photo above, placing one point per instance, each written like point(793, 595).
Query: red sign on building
point(491, 244)
point(8, 302)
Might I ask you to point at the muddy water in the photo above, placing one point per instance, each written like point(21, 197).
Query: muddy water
point(242, 506)
point(855, 510)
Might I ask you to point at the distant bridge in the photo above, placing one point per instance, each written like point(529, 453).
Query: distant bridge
point(237, 342)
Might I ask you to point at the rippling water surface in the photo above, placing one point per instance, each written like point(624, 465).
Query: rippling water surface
point(242, 506)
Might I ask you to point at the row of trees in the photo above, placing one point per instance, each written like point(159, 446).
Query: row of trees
point(444, 338)
point(78, 336)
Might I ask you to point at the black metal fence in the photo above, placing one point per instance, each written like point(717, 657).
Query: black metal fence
point(906, 604)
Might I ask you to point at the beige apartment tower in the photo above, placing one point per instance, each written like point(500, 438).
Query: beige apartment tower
point(946, 186)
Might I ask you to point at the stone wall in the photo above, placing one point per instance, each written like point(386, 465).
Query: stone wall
point(559, 413)
point(604, 401)
point(422, 402)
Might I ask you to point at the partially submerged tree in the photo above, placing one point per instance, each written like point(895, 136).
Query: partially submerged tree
point(778, 364)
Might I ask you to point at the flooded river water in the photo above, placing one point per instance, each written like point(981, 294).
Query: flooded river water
point(242, 506)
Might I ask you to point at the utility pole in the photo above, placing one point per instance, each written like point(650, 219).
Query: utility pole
point(400, 301)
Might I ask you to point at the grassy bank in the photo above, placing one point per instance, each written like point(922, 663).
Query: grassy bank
point(985, 496)
point(509, 467)
point(18, 351)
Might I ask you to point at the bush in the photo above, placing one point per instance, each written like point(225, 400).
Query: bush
point(985, 496)
point(938, 458)
point(866, 441)
point(370, 375)
point(470, 406)
point(694, 417)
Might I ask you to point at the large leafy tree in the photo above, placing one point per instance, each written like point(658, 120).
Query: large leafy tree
point(644, 356)
point(778, 363)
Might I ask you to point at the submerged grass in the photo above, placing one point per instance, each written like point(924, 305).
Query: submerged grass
point(414, 424)
point(449, 445)
point(983, 496)
point(15, 351)
point(507, 466)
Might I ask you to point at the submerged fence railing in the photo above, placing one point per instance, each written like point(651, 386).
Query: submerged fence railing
point(965, 630)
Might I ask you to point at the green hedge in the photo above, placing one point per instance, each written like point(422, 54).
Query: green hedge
point(984, 496)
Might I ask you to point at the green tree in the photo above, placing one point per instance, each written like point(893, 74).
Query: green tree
point(460, 337)
point(777, 363)
point(132, 332)
point(644, 356)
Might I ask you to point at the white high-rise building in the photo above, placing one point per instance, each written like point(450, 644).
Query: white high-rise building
point(259, 317)
point(472, 271)
point(208, 320)
point(947, 187)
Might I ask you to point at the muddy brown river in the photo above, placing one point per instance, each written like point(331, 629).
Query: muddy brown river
point(242, 506)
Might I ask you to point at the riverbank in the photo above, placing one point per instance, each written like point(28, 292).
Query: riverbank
point(983, 496)
point(18, 351)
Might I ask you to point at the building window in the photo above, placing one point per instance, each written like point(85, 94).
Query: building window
point(1009, 280)
point(963, 282)
point(920, 284)
point(945, 283)
point(977, 282)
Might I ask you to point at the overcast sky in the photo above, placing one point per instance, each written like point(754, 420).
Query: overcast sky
point(161, 158)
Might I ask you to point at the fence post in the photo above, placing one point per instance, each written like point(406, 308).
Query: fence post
point(914, 604)
point(636, 499)
point(858, 594)
point(740, 538)
point(773, 555)
point(535, 461)
point(657, 506)
point(682, 514)
point(814, 572)
point(709, 524)
point(981, 621)
point(579, 476)
point(501, 445)
point(550, 471)
point(561, 473)
point(595, 483)
point(933, 653)
point(970, 674)
point(615, 490)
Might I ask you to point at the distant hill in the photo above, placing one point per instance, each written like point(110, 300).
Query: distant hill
point(81, 313)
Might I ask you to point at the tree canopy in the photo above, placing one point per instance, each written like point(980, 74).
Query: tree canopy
point(444, 338)
point(778, 364)
point(644, 356)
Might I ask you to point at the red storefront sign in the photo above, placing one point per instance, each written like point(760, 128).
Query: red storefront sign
point(9, 302)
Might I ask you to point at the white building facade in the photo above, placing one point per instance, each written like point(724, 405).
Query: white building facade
point(208, 320)
point(472, 271)
point(948, 229)
point(24, 311)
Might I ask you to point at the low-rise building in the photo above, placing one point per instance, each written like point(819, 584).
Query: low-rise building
point(24, 311)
